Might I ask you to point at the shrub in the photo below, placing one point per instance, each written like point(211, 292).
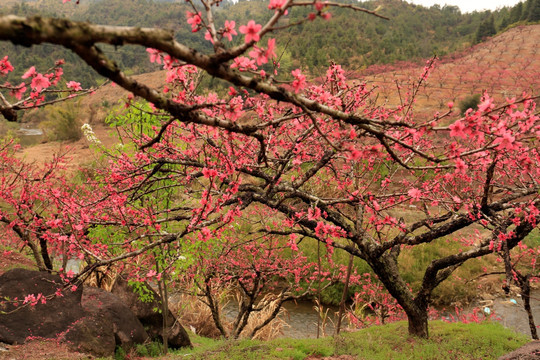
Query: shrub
point(470, 102)
point(62, 123)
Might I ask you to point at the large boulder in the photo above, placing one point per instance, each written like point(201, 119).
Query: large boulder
point(127, 329)
point(92, 335)
point(90, 320)
point(20, 322)
point(151, 319)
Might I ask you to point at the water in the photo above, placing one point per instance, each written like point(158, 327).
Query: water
point(513, 316)
point(29, 137)
point(30, 132)
point(301, 319)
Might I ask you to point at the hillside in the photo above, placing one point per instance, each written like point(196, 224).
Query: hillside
point(355, 40)
point(506, 66)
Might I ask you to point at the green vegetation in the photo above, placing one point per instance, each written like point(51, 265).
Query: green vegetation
point(470, 102)
point(486, 29)
point(448, 341)
point(62, 122)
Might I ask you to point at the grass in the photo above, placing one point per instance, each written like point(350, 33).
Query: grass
point(448, 341)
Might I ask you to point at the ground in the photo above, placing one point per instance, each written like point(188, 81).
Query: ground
point(39, 350)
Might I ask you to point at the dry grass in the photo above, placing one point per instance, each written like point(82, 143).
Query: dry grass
point(196, 315)
point(275, 328)
point(102, 277)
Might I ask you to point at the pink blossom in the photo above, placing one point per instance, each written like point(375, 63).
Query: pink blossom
point(209, 173)
point(208, 36)
point(292, 242)
point(251, 31)
point(415, 194)
point(276, 4)
point(487, 104)
point(40, 82)
point(262, 55)
point(229, 30)
point(194, 19)
point(5, 66)
point(205, 234)
point(76, 86)
point(154, 55)
point(19, 91)
point(243, 64)
point(461, 167)
point(30, 73)
point(505, 141)
point(456, 129)
point(300, 80)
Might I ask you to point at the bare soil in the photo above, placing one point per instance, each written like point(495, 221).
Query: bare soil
point(39, 350)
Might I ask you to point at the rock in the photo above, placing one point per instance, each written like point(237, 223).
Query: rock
point(92, 320)
point(127, 329)
point(529, 351)
point(92, 335)
point(151, 320)
point(46, 320)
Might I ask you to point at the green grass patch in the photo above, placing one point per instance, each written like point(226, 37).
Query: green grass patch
point(448, 341)
point(414, 261)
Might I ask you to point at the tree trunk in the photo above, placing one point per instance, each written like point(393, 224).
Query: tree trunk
point(386, 269)
point(526, 296)
point(418, 323)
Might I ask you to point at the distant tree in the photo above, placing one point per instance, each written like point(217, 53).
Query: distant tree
point(486, 29)
point(534, 11)
point(516, 12)
point(470, 102)
point(526, 10)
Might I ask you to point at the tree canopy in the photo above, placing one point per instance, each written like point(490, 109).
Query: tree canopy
point(320, 160)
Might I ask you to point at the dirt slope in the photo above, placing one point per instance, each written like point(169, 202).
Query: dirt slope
point(506, 66)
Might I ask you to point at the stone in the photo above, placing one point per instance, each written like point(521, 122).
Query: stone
point(88, 319)
point(92, 335)
point(151, 320)
point(46, 320)
point(127, 329)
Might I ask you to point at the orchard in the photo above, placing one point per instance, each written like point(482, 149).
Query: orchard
point(320, 159)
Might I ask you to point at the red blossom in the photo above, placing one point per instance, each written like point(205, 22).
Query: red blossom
point(5, 66)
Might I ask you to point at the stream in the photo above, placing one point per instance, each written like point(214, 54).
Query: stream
point(513, 316)
point(301, 317)
point(29, 137)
